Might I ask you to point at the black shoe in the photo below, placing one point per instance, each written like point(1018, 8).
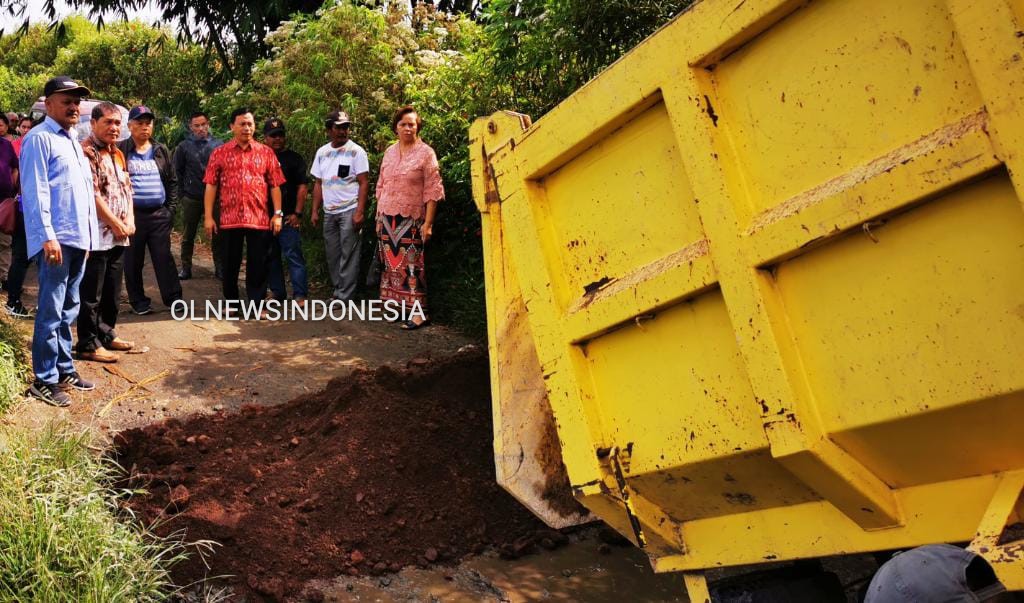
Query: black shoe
point(184, 274)
point(75, 381)
point(18, 310)
point(51, 393)
point(142, 310)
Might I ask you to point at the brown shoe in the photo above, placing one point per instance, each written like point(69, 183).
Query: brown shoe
point(98, 355)
point(119, 345)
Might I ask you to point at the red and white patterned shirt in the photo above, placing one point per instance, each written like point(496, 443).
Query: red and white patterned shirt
point(243, 178)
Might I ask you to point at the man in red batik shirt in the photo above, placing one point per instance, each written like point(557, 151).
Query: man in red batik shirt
point(243, 170)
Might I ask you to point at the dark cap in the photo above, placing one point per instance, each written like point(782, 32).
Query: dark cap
point(935, 572)
point(63, 83)
point(273, 126)
point(140, 111)
point(337, 118)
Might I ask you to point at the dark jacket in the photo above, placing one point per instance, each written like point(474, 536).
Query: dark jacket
point(162, 156)
point(190, 159)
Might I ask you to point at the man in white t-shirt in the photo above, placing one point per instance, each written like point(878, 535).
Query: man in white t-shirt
point(341, 172)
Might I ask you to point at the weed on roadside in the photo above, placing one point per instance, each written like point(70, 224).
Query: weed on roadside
point(65, 536)
point(13, 366)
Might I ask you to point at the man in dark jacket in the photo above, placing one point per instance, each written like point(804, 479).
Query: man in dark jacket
point(190, 159)
point(154, 196)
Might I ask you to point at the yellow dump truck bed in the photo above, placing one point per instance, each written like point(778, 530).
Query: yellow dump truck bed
point(767, 271)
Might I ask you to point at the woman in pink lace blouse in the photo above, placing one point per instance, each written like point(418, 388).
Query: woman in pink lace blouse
point(408, 190)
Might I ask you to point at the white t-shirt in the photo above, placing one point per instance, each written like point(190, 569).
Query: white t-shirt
point(337, 168)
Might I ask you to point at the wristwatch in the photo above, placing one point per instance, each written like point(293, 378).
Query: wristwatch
point(278, 214)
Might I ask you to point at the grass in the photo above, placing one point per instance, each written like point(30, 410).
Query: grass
point(64, 536)
point(13, 365)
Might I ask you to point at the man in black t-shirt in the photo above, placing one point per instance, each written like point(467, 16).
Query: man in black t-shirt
point(288, 244)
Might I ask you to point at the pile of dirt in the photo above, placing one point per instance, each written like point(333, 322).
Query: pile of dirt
point(382, 470)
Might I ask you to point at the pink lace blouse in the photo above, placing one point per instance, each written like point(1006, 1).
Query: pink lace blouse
point(407, 183)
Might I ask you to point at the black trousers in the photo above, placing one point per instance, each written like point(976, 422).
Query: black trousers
point(153, 232)
point(100, 292)
point(19, 260)
point(255, 243)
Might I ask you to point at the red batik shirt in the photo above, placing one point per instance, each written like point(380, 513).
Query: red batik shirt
point(243, 178)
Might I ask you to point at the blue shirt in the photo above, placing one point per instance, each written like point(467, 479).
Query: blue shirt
point(56, 190)
point(147, 187)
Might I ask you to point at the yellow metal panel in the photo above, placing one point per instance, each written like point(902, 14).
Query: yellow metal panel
point(799, 332)
point(719, 415)
point(798, 119)
point(623, 203)
point(990, 31)
point(917, 330)
point(943, 512)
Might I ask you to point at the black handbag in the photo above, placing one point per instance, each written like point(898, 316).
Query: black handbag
point(373, 273)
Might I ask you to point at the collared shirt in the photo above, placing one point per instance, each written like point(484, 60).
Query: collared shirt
point(243, 178)
point(407, 183)
point(56, 190)
point(112, 185)
point(191, 158)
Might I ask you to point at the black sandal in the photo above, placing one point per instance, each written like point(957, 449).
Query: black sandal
point(409, 325)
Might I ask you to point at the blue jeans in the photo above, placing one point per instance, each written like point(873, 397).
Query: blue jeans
point(287, 244)
point(58, 310)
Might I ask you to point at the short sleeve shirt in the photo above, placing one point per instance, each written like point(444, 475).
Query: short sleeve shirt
point(293, 166)
point(337, 168)
point(243, 178)
point(408, 182)
point(111, 184)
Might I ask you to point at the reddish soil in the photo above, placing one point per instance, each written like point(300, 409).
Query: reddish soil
point(383, 469)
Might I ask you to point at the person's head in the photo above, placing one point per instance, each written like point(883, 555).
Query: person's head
point(406, 123)
point(934, 572)
point(24, 125)
point(199, 124)
point(140, 124)
point(274, 134)
point(106, 122)
point(63, 98)
point(243, 125)
point(339, 126)
point(12, 118)
point(5, 124)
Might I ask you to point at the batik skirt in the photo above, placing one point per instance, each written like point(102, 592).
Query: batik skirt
point(402, 277)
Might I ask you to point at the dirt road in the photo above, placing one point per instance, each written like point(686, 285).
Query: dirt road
point(181, 368)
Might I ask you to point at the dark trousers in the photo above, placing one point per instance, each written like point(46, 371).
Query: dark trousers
point(100, 292)
point(152, 231)
point(19, 260)
point(256, 243)
point(193, 213)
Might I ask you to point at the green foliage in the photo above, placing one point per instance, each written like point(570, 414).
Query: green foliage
point(132, 63)
point(549, 48)
point(18, 92)
point(13, 366)
point(64, 536)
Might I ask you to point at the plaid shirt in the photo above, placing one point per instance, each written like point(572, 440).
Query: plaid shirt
point(110, 183)
point(244, 177)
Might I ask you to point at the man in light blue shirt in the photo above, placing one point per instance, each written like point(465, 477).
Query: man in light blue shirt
point(61, 228)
